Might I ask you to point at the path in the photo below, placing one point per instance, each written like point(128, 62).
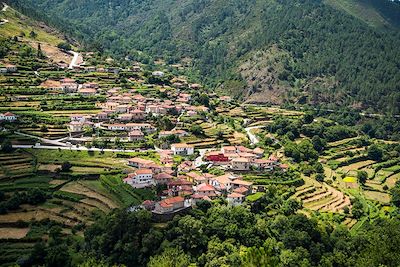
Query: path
point(76, 148)
point(44, 140)
point(4, 9)
point(74, 60)
point(199, 160)
point(252, 137)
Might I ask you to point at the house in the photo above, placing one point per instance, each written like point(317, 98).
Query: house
point(163, 178)
point(8, 116)
point(222, 183)
point(91, 85)
point(228, 149)
point(206, 190)
point(250, 156)
point(242, 190)
point(87, 91)
point(117, 127)
point(11, 68)
point(263, 164)
point(70, 87)
point(235, 199)
point(182, 149)
point(139, 162)
point(241, 164)
point(140, 178)
point(121, 109)
point(137, 114)
point(149, 205)
point(259, 152)
point(135, 135)
point(125, 117)
point(75, 127)
point(158, 73)
point(217, 157)
point(102, 116)
point(170, 205)
point(8, 69)
point(237, 183)
point(145, 127)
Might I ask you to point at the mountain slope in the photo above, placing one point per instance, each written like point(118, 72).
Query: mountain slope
point(333, 54)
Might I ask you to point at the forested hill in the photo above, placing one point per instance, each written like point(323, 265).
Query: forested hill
point(333, 52)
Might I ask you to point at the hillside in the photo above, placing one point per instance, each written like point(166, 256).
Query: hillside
point(332, 52)
point(33, 34)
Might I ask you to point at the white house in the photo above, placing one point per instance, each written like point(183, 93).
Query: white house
point(182, 149)
point(140, 178)
point(8, 116)
point(75, 126)
point(235, 199)
point(158, 73)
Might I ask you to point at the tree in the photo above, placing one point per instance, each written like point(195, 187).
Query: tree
point(362, 177)
point(64, 46)
point(375, 152)
point(6, 146)
point(66, 166)
point(319, 143)
point(58, 255)
point(196, 130)
point(33, 34)
point(170, 257)
point(320, 177)
point(308, 118)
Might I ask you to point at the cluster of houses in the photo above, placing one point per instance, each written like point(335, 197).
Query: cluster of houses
point(128, 112)
point(182, 191)
point(240, 158)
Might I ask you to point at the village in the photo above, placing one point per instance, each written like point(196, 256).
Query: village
point(128, 116)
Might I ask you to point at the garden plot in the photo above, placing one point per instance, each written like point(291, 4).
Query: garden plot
point(358, 165)
point(321, 197)
point(32, 215)
point(13, 233)
point(79, 188)
point(377, 196)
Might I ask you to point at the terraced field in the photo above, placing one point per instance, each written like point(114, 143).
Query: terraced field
point(321, 197)
point(15, 165)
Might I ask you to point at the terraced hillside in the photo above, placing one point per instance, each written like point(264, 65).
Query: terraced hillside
point(321, 197)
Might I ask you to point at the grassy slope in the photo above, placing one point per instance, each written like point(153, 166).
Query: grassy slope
point(363, 10)
point(21, 24)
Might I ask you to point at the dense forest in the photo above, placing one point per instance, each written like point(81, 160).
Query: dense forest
point(216, 235)
point(333, 56)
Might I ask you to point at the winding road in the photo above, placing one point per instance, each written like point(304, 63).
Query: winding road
point(76, 148)
point(252, 137)
point(74, 60)
point(4, 9)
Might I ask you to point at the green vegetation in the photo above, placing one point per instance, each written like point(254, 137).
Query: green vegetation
point(221, 36)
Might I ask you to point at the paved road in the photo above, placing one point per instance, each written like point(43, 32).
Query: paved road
point(252, 137)
point(4, 9)
point(75, 148)
point(199, 160)
point(74, 60)
point(44, 140)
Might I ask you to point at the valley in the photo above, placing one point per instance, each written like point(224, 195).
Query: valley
point(144, 160)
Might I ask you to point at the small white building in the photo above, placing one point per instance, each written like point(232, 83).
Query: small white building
point(140, 178)
point(8, 116)
point(158, 73)
point(235, 199)
point(75, 126)
point(182, 149)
